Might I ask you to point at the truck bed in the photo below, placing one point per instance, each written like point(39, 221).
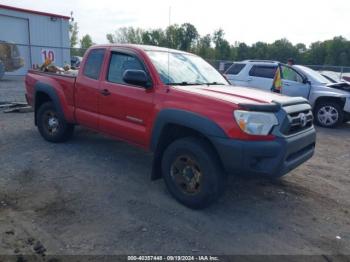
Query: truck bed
point(68, 74)
point(63, 84)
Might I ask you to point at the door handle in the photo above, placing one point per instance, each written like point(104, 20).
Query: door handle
point(249, 79)
point(286, 84)
point(105, 92)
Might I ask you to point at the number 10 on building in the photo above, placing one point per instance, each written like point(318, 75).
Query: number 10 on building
point(47, 54)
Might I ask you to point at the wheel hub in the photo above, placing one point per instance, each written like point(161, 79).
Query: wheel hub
point(328, 115)
point(52, 122)
point(186, 174)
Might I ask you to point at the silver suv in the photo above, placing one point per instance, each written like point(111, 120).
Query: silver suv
point(330, 101)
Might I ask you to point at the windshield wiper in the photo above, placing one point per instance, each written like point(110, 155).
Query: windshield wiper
point(185, 84)
point(213, 84)
point(194, 84)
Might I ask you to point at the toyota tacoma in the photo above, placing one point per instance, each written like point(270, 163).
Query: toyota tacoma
point(173, 103)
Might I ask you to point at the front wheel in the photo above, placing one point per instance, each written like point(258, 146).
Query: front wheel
point(193, 173)
point(51, 125)
point(328, 114)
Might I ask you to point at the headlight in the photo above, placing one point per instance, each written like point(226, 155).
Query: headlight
point(255, 123)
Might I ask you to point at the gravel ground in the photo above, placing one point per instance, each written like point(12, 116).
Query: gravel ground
point(12, 89)
point(92, 195)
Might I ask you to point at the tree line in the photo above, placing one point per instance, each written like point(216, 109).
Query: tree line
point(215, 46)
point(83, 44)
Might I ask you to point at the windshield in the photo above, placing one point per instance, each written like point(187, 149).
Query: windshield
point(314, 75)
point(184, 69)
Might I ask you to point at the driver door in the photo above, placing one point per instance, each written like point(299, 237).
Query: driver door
point(125, 110)
point(293, 83)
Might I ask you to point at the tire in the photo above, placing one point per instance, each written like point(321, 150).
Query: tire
point(192, 172)
point(51, 125)
point(328, 114)
point(2, 70)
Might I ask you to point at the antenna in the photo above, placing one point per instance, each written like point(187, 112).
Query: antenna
point(169, 44)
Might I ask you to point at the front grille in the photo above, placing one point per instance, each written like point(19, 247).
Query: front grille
point(298, 121)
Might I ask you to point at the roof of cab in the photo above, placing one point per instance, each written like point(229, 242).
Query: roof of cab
point(144, 48)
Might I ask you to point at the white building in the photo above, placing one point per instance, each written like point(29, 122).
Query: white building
point(36, 34)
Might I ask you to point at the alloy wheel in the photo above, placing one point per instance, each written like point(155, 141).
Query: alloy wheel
point(327, 115)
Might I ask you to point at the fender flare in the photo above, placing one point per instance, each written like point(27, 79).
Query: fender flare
point(40, 87)
point(324, 95)
point(183, 118)
point(187, 119)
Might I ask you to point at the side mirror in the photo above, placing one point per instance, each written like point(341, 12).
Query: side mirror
point(136, 77)
point(306, 81)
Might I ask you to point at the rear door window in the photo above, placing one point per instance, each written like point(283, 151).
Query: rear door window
point(235, 69)
point(263, 71)
point(93, 65)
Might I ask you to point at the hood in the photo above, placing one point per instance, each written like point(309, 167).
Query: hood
point(240, 95)
point(341, 86)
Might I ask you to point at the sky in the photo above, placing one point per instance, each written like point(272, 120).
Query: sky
point(249, 21)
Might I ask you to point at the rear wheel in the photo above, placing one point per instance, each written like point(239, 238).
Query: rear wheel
point(51, 125)
point(193, 173)
point(2, 69)
point(328, 114)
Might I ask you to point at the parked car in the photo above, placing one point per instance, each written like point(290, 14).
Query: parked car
point(75, 61)
point(223, 66)
point(180, 108)
point(346, 78)
point(10, 58)
point(330, 101)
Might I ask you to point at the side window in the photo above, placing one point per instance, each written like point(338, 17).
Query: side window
point(119, 63)
point(93, 63)
point(227, 66)
point(290, 74)
point(263, 71)
point(235, 69)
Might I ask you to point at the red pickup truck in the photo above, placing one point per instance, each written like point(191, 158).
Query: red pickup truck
point(175, 104)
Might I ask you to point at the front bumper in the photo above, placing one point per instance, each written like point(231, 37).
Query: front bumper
point(267, 158)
